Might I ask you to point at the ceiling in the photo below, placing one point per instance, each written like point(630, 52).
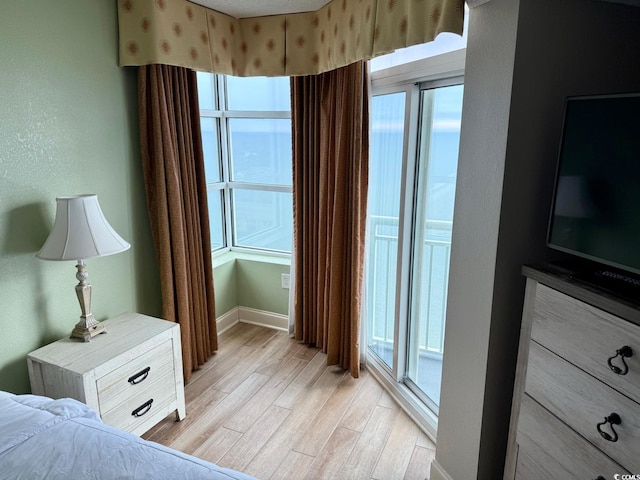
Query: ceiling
point(260, 8)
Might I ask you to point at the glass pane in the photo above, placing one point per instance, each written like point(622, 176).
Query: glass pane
point(437, 171)
point(261, 150)
point(211, 147)
point(263, 219)
point(205, 90)
point(216, 223)
point(258, 93)
point(385, 177)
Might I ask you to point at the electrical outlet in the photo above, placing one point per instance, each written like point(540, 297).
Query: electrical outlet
point(285, 280)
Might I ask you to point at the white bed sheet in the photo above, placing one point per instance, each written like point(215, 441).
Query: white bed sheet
point(41, 438)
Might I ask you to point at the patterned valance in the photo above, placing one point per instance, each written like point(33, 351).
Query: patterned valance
point(181, 33)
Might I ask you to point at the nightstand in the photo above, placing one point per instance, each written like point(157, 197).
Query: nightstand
point(131, 375)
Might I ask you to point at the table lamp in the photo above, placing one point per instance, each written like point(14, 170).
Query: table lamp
point(81, 231)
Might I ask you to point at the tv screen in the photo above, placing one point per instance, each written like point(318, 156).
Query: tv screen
point(596, 208)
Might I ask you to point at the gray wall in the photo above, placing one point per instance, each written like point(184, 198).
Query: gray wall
point(523, 58)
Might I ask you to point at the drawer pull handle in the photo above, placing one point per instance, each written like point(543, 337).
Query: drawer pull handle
point(600, 477)
point(613, 419)
point(135, 379)
point(142, 409)
point(624, 352)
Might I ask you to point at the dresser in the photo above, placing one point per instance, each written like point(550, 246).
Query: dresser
point(131, 375)
point(576, 403)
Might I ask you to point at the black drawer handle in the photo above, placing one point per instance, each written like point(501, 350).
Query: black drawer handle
point(624, 352)
point(133, 379)
point(142, 409)
point(600, 477)
point(613, 419)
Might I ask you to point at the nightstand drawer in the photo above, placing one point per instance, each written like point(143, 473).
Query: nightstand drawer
point(587, 337)
point(135, 410)
point(135, 377)
point(581, 401)
point(549, 449)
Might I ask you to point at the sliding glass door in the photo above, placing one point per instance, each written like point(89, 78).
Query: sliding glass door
point(440, 112)
point(415, 133)
point(385, 185)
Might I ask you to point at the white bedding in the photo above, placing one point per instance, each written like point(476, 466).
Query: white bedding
point(41, 438)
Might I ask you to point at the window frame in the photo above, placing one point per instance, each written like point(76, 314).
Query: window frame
point(226, 185)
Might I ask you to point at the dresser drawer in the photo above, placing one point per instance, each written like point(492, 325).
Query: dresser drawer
point(135, 377)
point(548, 449)
point(587, 337)
point(581, 401)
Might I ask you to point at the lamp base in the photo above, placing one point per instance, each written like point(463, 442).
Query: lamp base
point(86, 329)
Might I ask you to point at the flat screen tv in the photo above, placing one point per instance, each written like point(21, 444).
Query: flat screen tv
point(596, 207)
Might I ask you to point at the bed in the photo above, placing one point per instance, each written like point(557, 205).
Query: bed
point(42, 438)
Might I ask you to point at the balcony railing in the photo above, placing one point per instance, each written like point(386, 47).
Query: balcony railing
point(429, 301)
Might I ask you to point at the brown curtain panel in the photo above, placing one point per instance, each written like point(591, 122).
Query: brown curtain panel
point(330, 118)
point(173, 166)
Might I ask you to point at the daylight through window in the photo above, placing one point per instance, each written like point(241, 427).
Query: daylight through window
point(246, 137)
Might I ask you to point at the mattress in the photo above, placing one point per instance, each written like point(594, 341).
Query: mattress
point(42, 438)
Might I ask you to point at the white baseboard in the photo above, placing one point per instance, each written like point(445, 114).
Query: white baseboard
point(252, 316)
point(438, 473)
point(264, 319)
point(227, 320)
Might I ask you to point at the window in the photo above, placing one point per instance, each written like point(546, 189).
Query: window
point(246, 137)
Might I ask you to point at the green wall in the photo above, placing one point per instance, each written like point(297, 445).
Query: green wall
point(226, 287)
point(248, 280)
point(260, 287)
point(68, 120)
point(68, 117)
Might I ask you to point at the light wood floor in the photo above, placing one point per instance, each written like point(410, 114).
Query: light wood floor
point(270, 407)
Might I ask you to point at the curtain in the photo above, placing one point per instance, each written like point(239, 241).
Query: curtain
point(173, 168)
point(330, 121)
point(292, 296)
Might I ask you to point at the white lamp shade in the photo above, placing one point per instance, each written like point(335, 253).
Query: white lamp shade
point(80, 231)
